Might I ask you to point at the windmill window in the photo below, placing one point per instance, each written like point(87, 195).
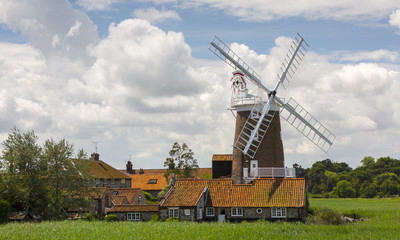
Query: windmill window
point(152, 181)
point(278, 212)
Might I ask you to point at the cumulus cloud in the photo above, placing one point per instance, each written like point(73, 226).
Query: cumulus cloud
point(395, 19)
point(154, 15)
point(92, 5)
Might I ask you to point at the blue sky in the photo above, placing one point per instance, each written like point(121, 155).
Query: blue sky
point(137, 76)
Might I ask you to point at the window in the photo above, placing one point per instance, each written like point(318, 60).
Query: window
point(173, 212)
point(210, 212)
point(152, 181)
point(259, 210)
point(122, 181)
point(278, 212)
point(187, 212)
point(133, 216)
point(115, 193)
point(112, 181)
point(140, 199)
point(237, 211)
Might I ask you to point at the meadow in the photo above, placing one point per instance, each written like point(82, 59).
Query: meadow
point(381, 221)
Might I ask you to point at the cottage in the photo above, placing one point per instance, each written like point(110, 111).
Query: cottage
point(221, 199)
point(107, 176)
point(134, 212)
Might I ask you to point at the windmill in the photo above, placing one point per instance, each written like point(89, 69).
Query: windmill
point(257, 140)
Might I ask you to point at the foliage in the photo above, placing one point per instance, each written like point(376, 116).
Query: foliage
point(163, 191)
point(4, 209)
point(154, 218)
point(91, 217)
point(343, 189)
point(149, 198)
point(206, 176)
point(181, 161)
point(326, 216)
point(112, 218)
point(172, 219)
point(43, 178)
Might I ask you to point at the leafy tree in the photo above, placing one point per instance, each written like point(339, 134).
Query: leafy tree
point(24, 184)
point(4, 209)
point(300, 172)
point(67, 178)
point(343, 189)
point(181, 161)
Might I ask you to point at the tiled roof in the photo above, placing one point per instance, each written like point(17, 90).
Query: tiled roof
point(118, 200)
point(142, 181)
point(129, 193)
point(271, 192)
point(104, 171)
point(133, 208)
point(222, 157)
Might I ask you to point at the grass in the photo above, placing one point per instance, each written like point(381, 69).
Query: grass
point(382, 222)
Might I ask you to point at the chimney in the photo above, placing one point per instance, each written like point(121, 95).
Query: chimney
point(129, 168)
point(96, 157)
point(141, 171)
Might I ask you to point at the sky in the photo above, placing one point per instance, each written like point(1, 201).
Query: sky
point(134, 76)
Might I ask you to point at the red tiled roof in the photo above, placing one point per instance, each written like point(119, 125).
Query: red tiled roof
point(118, 200)
point(222, 157)
point(104, 171)
point(271, 192)
point(129, 193)
point(142, 181)
point(133, 208)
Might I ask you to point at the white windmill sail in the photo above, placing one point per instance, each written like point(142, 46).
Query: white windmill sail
point(260, 117)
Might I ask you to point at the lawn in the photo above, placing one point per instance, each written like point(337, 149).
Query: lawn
point(382, 221)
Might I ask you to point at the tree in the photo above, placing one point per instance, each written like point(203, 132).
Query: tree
point(24, 171)
point(343, 189)
point(67, 178)
point(181, 160)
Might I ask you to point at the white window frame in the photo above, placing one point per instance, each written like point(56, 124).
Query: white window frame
point(278, 212)
point(133, 216)
point(236, 212)
point(173, 212)
point(210, 212)
point(187, 212)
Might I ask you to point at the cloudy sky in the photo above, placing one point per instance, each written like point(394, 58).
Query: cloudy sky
point(137, 76)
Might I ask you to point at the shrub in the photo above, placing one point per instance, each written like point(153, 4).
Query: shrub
point(326, 216)
point(149, 198)
point(91, 217)
point(4, 209)
point(173, 219)
point(112, 218)
point(154, 218)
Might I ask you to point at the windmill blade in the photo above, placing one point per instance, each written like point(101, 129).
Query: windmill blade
point(293, 58)
point(221, 50)
point(307, 125)
point(255, 128)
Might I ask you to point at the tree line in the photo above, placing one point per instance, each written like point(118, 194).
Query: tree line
point(47, 178)
point(373, 178)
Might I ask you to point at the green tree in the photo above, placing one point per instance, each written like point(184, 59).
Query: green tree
point(24, 185)
point(343, 189)
point(67, 178)
point(4, 209)
point(181, 161)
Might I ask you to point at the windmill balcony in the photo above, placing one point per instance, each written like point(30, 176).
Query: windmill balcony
point(271, 172)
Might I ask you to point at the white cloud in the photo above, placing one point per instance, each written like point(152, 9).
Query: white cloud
point(92, 5)
point(155, 16)
point(260, 10)
point(395, 19)
point(377, 55)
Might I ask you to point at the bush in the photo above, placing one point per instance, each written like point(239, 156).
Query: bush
point(4, 209)
point(91, 217)
point(154, 218)
point(173, 219)
point(149, 198)
point(112, 218)
point(326, 216)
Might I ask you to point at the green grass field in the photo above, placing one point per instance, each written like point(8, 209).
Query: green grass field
point(382, 222)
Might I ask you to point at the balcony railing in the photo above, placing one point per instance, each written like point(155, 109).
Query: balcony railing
point(271, 172)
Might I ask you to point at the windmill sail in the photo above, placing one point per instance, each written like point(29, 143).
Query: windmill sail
point(307, 125)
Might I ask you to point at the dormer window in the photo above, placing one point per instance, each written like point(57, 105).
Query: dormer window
point(115, 193)
point(152, 181)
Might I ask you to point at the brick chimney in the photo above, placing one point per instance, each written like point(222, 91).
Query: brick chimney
point(129, 168)
point(96, 157)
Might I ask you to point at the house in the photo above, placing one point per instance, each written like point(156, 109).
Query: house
point(107, 176)
point(221, 199)
point(100, 198)
point(134, 212)
point(153, 180)
point(121, 196)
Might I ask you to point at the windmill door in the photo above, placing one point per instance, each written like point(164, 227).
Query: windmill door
point(253, 168)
